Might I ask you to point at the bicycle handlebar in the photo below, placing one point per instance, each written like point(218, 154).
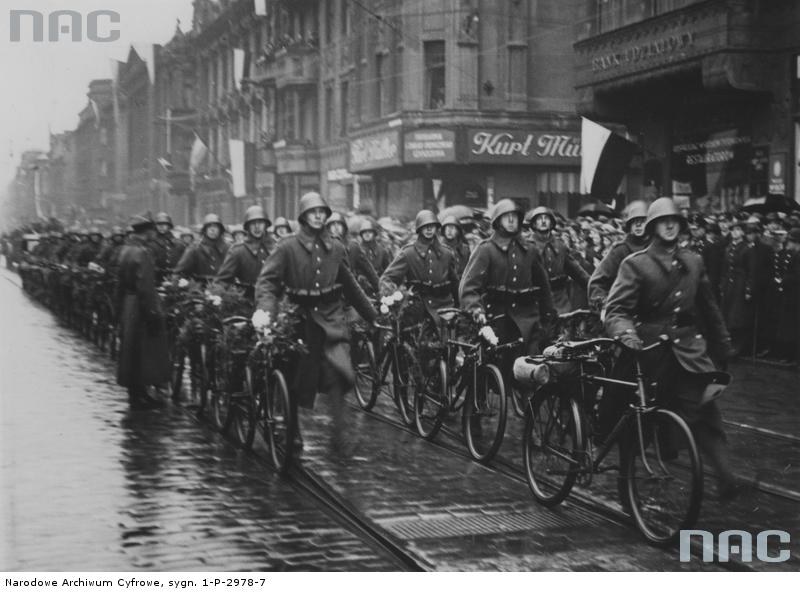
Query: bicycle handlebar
point(234, 319)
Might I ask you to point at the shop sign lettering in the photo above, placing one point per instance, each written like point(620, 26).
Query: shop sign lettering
point(374, 152)
point(643, 52)
point(524, 147)
point(713, 151)
point(429, 146)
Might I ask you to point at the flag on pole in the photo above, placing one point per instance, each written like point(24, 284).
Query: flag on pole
point(260, 7)
point(241, 66)
point(604, 158)
point(96, 111)
point(242, 167)
point(197, 155)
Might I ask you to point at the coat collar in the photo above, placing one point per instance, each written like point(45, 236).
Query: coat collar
point(254, 245)
point(422, 248)
point(307, 238)
point(504, 242)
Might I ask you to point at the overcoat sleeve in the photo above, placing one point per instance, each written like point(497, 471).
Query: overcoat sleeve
point(541, 279)
point(355, 295)
point(146, 285)
point(270, 283)
point(603, 277)
point(574, 269)
point(229, 269)
point(622, 301)
point(186, 262)
point(361, 265)
point(473, 282)
point(395, 274)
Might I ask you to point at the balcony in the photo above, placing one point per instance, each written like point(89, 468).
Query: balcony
point(711, 37)
point(296, 66)
point(296, 156)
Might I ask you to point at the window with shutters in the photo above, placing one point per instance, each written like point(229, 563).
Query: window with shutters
point(434, 74)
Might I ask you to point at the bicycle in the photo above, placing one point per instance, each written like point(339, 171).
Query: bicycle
point(658, 453)
point(465, 372)
point(397, 355)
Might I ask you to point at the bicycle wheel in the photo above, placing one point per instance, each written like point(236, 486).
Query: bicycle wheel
point(552, 446)
point(243, 412)
point(431, 401)
point(363, 357)
point(281, 420)
point(403, 385)
point(484, 416)
point(219, 395)
point(664, 475)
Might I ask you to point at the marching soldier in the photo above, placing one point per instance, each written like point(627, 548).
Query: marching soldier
point(454, 238)
point(202, 260)
point(163, 245)
point(425, 265)
point(359, 264)
point(144, 353)
point(311, 268)
point(505, 276)
point(558, 262)
point(376, 253)
point(664, 290)
point(603, 277)
point(244, 260)
point(281, 228)
point(108, 258)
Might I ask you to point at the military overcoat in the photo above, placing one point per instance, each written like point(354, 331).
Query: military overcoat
point(606, 272)
point(314, 271)
point(560, 265)
point(202, 260)
point(736, 286)
point(243, 263)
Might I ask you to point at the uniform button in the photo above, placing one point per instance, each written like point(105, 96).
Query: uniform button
point(318, 272)
point(513, 279)
point(318, 259)
point(677, 309)
point(674, 263)
point(678, 293)
point(429, 302)
point(316, 308)
point(515, 267)
point(698, 336)
point(316, 284)
point(677, 340)
point(513, 305)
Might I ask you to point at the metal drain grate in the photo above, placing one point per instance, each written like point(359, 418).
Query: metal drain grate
point(438, 527)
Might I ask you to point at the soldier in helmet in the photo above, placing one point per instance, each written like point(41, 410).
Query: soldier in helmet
point(664, 290)
point(425, 265)
point(636, 240)
point(359, 264)
point(144, 354)
point(90, 249)
point(164, 245)
point(108, 258)
point(202, 260)
point(376, 253)
point(281, 228)
point(311, 269)
point(453, 237)
point(505, 276)
point(244, 260)
point(558, 261)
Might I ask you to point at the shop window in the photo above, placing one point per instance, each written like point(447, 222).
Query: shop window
point(434, 74)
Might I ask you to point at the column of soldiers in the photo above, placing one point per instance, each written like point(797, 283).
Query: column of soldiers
point(736, 281)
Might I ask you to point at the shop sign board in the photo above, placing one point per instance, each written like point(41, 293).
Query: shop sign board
point(375, 151)
point(499, 146)
point(429, 145)
point(777, 173)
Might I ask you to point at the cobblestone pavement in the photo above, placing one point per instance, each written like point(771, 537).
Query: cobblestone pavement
point(88, 485)
point(157, 490)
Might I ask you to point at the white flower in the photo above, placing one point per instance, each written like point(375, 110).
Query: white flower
point(300, 342)
point(384, 309)
point(489, 335)
point(216, 300)
point(261, 318)
point(183, 282)
point(397, 296)
point(387, 301)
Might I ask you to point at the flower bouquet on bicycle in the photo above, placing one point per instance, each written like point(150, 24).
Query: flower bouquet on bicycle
point(661, 480)
point(271, 411)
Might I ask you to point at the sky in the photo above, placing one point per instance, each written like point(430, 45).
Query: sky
point(44, 84)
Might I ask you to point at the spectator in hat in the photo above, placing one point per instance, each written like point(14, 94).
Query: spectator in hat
point(736, 288)
point(761, 255)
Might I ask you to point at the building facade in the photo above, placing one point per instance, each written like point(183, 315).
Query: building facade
point(708, 87)
point(389, 107)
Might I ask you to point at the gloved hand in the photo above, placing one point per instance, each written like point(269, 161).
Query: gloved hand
point(631, 339)
point(479, 316)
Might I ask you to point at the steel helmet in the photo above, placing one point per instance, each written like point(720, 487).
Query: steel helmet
point(635, 209)
point(163, 218)
point(451, 221)
point(505, 206)
point(95, 230)
point(254, 213)
point(540, 211)
point(212, 219)
point(337, 217)
point(281, 222)
point(142, 221)
point(425, 218)
point(309, 201)
point(662, 208)
point(117, 231)
point(366, 226)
